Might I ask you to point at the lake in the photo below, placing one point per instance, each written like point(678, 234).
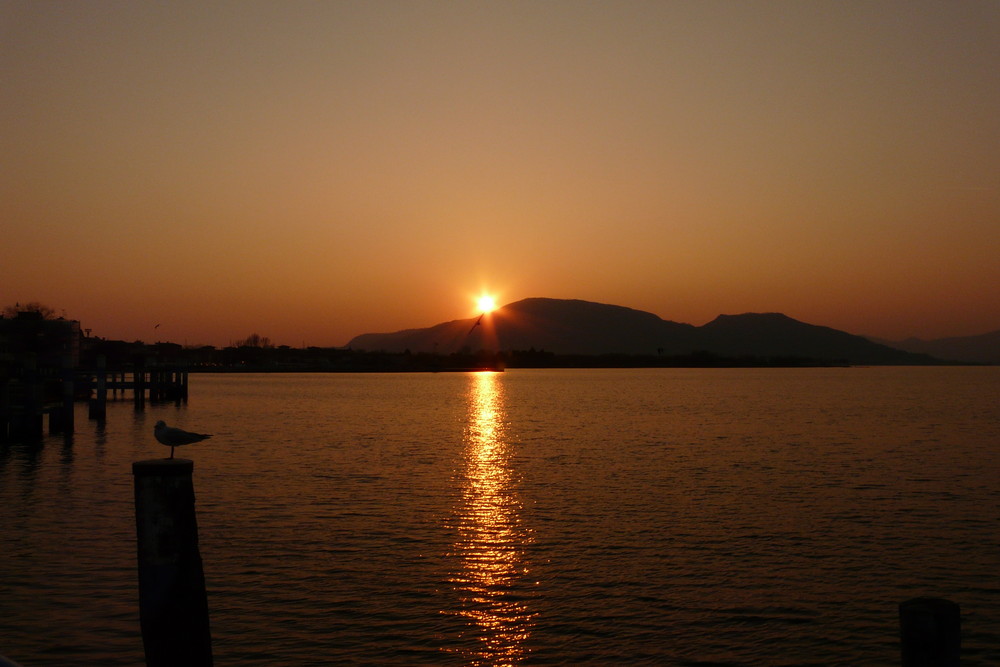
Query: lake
point(534, 517)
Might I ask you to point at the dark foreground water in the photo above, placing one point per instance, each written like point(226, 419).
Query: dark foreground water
point(688, 517)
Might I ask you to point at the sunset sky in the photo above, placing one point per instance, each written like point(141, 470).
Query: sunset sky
point(311, 171)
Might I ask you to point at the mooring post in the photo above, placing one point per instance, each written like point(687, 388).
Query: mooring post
point(99, 405)
point(4, 410)
point(139, 386)
point(33, 415)
point(69, 395)
point(930, 632)
point(155, 385)
point(61, 420)
point(173, 607)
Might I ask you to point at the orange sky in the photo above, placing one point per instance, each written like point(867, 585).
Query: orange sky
point(316, 170)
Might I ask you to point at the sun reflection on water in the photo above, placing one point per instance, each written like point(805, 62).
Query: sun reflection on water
point(491, 572)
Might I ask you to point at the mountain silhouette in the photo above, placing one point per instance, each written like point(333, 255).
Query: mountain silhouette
point(983, 349)
point(575, 327)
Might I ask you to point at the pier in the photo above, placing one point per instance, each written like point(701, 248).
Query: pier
point(48, 365)
point(30, 392)
point(156, 384)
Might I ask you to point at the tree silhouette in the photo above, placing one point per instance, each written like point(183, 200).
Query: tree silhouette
point(255, 340)
point(46, 312)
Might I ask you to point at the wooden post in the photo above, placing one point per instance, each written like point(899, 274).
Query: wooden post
point(99, 405)
point(930, 632)
point(4, 410)
point(139, 387)
point(33, 417)
point(61, 419)
point(69, 395)
point(155, 385)
point(173, 608)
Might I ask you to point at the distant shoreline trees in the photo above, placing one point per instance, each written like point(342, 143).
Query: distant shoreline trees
point(45, 312)
point(255, 340)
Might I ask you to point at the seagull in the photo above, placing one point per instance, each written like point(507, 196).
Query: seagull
point(478, 322)
point(175, 437)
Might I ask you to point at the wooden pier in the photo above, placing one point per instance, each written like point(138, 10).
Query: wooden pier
point(27, 399)
point(157, 384)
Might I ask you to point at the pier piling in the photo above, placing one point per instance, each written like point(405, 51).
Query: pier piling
point(139, 387)
point(31, 425)
point(173, 606)
point(99, 404)
point(930, 632)
point(61, 417)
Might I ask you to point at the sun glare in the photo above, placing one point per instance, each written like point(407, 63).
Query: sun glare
point(486, 303)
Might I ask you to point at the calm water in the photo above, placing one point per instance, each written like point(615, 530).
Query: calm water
point(724, 517)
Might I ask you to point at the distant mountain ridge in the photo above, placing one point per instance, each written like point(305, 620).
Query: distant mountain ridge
point(576, 327)
point(983, 349)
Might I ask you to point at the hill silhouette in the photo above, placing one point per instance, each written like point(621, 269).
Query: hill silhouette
point(575, 327)
point(983, 349)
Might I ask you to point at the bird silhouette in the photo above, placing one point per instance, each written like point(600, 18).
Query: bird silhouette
point(175, 437)
point(478, 322)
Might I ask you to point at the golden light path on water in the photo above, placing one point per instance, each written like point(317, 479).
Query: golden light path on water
point(490, 539)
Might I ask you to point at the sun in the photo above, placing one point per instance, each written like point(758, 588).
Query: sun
point(486, 303)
